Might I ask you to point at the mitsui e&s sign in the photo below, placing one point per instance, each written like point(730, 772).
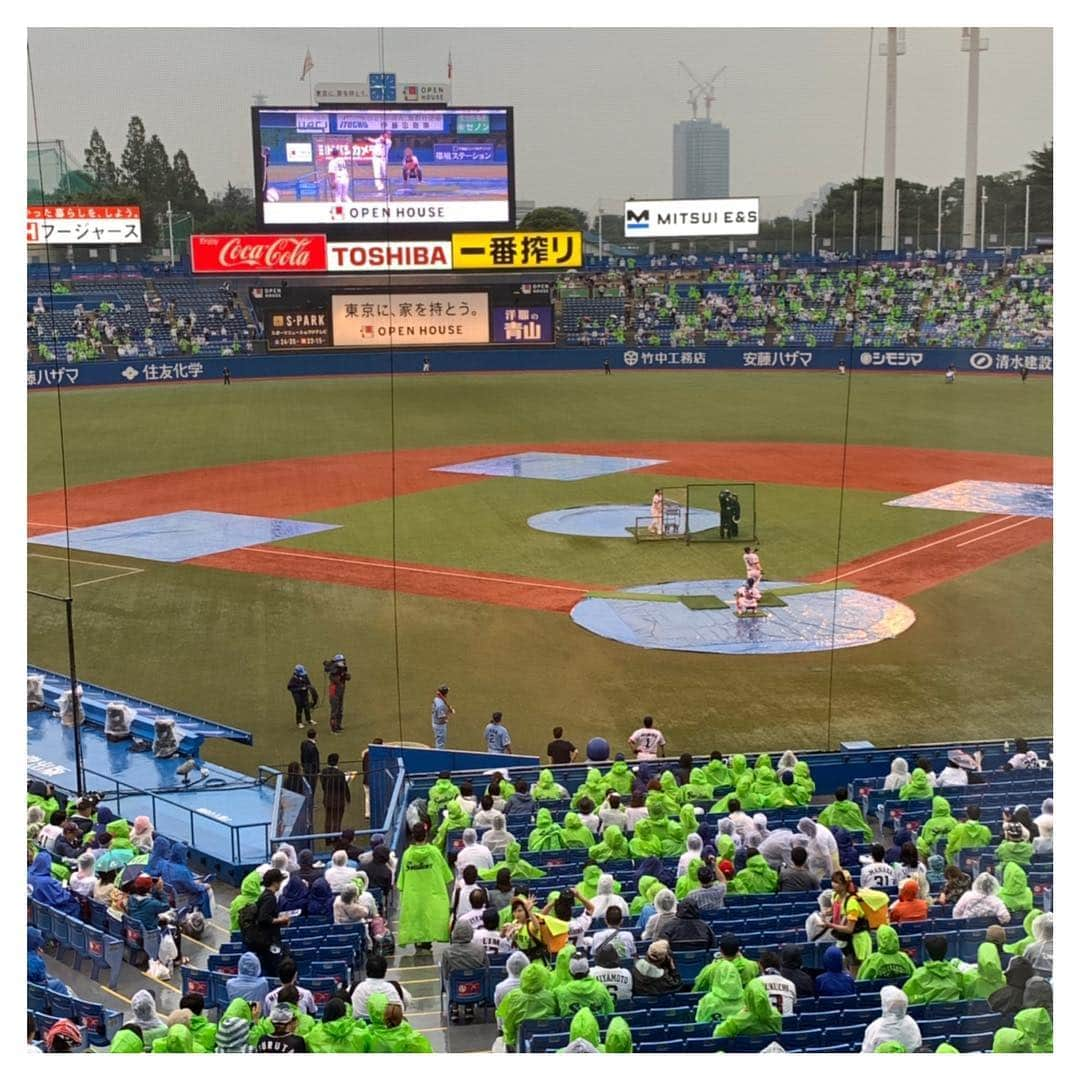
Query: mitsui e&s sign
point(651, 218)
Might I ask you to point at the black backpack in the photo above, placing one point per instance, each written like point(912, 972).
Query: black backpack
point(246, 919)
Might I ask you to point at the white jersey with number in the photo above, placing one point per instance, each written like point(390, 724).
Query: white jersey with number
point(339, 170)
point(647, 741)
point(752, 563)
point(781, 992)
point(877, 876)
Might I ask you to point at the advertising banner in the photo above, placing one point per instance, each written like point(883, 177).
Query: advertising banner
point(263, 253)
point(291, 330)
point(648, 218)
point(368, 256)
point(529, 325)
point(517, 250)
point(89, 225)
point(373, 320)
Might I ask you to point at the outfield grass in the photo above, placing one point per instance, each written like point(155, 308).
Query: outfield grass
point(222, 644)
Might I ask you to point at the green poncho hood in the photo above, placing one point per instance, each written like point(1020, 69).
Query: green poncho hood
point(513, 862)
point(918, 787)
point(1032, 1033)
point(179, 1040)
point(546, 789)
point(547, 836)
point(1018, 947)
point(725, 996)
point(250, 889)
point(585, 1026)
point(531, 1001)
point(738, 766)
point(725, 847)
point(803, 778)
point(399, 1040)
point(847, 815)
point(758, 1016)
point(647, 839)
point(669, 786)
point(618, 1039)
point(700, 787)
point(126, 1042)
point(936, 980)
point(561, 974)
point(120, 831)
point(343, 1036)
point(987, 976)
point(645, 883)
point(1014, 851)
point(455, 818)
point(718, 773)
point(442, 793)
point(968, 834)
point(763, 762)
point(590, 878)
point(689, 881)
point(688, 821)
point(582, 993)
point(203, 1032)
point(574, 834)
point(756, 877)
point(620, 778)
point(888, 961)
point(1014, 892)
point(940, 824)
point(613, 846)
point(891, 1047)
point(593, 786)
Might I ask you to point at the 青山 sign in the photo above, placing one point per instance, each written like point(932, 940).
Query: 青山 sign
point(691, 217)
point(83, 225)
point(378, 320)
point(517, 250)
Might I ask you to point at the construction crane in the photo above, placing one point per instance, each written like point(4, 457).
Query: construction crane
point(702, 89)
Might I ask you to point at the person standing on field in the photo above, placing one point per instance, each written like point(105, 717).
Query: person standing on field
point(647, 742)
point(338, 673)
point(496, 736)
point(336, 796)
point(309, 759)
point(441, 711)
point(305, 696)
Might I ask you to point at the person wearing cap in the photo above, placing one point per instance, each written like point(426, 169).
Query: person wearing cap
point(304, 695)
point(283, 1039)
point(1013, 847)
point(338, 673)
point(441, 711)
point(656, 974)
point(582, 990)
point(496, 736)
point(62, 1037)
point(607, 971)
point(955, 774)
point(147, 901)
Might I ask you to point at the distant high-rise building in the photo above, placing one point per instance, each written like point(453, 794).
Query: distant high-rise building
point(702, 160)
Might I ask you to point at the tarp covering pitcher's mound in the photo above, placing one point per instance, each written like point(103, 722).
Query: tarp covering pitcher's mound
point(617, 520)
point(673, 616)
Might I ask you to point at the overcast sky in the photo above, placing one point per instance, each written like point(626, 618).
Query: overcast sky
point(593, 108)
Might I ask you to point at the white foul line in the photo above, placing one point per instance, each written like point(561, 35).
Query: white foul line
point(125, 571)
point(912, 551)
point(1006, 528)
point(417, 569)
point(108, 577)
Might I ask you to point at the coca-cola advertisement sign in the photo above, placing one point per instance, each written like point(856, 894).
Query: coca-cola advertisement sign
point(259, 254)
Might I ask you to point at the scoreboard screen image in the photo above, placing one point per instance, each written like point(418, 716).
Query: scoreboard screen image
point(381, 170)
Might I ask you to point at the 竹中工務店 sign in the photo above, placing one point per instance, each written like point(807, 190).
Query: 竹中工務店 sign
point(517, 250)
point(378, 320)
point(88, 225)
point(290, 330)
point(648, 218)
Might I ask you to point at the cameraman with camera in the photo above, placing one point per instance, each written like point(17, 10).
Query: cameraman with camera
point(337, 671)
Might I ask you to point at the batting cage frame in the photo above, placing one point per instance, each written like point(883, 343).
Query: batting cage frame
point(694, 513)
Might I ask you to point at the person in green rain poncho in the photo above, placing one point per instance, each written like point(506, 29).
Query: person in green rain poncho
point(590, 879)
point(743, 793)
point(443, 792)
point(584, 1028)
point(233, 1028)
point(620, 778)
point(120, 831)
point(848, 815)
point(970, 833)
point(758, 1016)
point(986, 976)
point(305, 1023)
point(756, 877)
point(725, 841)
point(647, 839)
point(127, 1041)
point(699, 788)
point(1017, 947)
point(582, 990)
point(936, 827)
point(179, 1040)
point(389, 1032)
point(422, 878)
point(689, 881)
point(738, 767)
point(250, 891)
point(718, 774)
point(1013, 848)
point(561, 973)
point(725, 997)
point(455, 818)
point(338, 1032)
point(804, 781)
point(547, 836)
point(688, 821)
point(1014, 892)
point(592, 786)
point(670, 795)
point(646, 883)
point(731, 953)
point(546, 790)
point(891, 1047)
point(1032, 1033)
point(513, 862)
point(937, 979)
point(790, 792)
point(574, 834)
point(532, 1000)
point(612, 846)
point(889, 961)
point(618, 1039)
point(918, 787)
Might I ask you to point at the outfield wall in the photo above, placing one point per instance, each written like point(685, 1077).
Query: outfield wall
point(296, 365)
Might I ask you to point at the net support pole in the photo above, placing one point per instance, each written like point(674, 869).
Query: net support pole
point(76, 706)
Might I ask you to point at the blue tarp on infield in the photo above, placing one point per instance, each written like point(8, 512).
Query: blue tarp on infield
point(614, 520)
point(985, 497)
point(538, 465)
point(811, 622)
point(177, 537)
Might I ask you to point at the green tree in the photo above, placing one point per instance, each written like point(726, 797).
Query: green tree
point(99, 162)
point(132, 160)
point(184, 189)
point(1040, 170)
point(554, 218)
point(232, 212)
point(157, 173)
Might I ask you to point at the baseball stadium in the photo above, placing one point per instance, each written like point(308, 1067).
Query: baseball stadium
point(458, 629)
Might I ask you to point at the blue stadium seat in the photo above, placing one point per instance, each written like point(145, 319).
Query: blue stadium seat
point(194, 981)
point(101, 1024)
point(105, 951)
point(35, 997)
point(59, 1004)
point(77, 939)
point(971, 1044)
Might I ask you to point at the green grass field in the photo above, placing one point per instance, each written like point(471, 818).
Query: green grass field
point(222, 644)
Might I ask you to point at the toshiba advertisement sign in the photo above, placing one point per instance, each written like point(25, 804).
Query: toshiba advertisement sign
point(648, 219)
point(310, 253)
point(378, 320)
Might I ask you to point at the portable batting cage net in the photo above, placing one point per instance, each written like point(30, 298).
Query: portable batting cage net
point(669, 523)
point(721, 513)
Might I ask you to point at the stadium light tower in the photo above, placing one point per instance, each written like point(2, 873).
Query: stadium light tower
point(895, 45)
point(972, 44)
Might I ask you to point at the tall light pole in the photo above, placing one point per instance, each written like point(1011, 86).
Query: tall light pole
point(1005, 224)
point(1027, 212)
point(939, 190)
point(896, 225)
point(982, 232)
point(813, 233)
point(833, 245)
point(972, 44)
point(893, 46)
point(855, 221)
